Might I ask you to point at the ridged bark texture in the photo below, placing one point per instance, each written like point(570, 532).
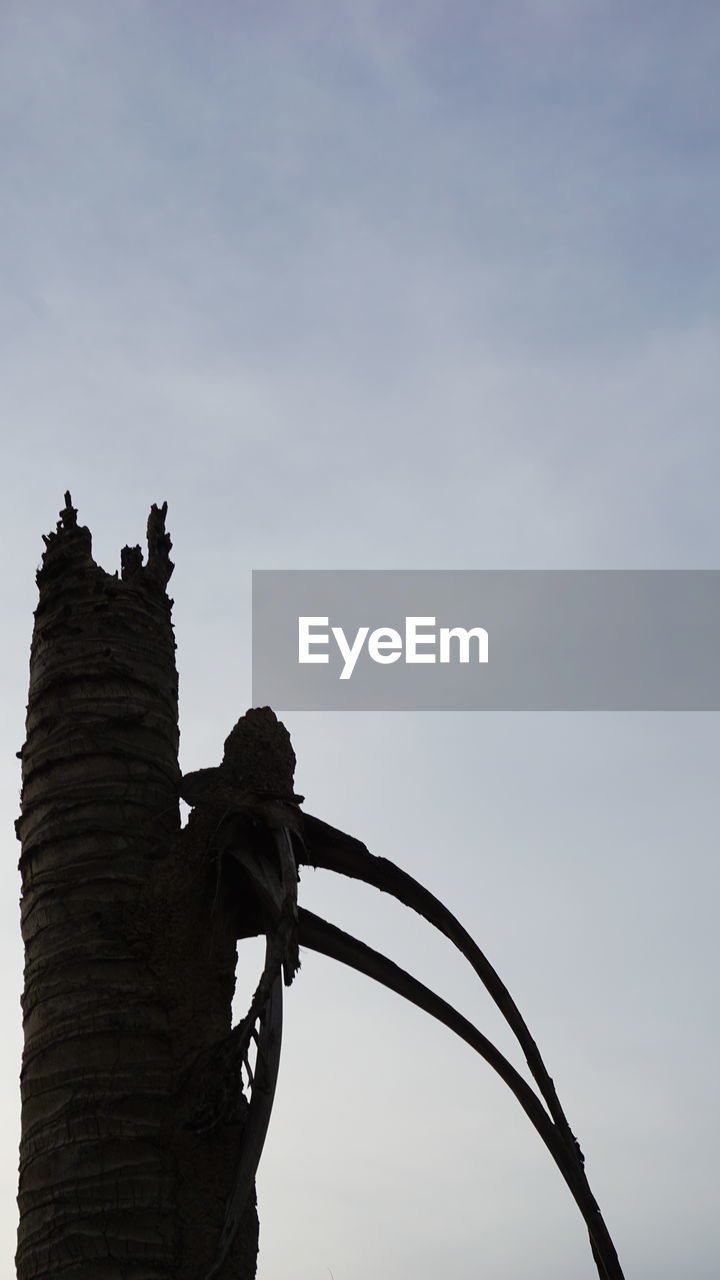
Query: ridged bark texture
point(129, 965)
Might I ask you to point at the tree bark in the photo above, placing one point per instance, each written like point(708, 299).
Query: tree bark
point(130, 952)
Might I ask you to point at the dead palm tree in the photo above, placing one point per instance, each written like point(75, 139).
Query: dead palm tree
point(139, 1149)
point(125, 981)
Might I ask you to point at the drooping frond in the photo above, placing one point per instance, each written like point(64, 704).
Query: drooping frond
point(326, 938)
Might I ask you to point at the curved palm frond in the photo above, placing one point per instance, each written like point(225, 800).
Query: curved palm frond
point(269, 869)
point(319, 935)
point(262, 1086)
point(333, 850)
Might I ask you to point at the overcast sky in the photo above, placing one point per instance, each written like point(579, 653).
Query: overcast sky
point(376, 285)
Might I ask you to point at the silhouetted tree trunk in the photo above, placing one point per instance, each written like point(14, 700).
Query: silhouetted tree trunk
point(130, 954)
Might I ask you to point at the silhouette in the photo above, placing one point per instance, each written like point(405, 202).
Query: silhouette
point(264, 835)
point(144, 1111)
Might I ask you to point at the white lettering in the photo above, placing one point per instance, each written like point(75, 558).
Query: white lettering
point(385, 645)
point(349, 654)
point(305, 639)
point(463, 637)
point(413, 638)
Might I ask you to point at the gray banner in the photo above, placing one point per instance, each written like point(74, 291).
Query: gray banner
point(494, 640)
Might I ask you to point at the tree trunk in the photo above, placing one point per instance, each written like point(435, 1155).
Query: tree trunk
point(130, 954)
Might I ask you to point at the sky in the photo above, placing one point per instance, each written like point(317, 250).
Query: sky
point(433, 286)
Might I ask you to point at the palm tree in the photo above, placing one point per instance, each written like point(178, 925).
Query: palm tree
point(139, 1148)
point(130, 957)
